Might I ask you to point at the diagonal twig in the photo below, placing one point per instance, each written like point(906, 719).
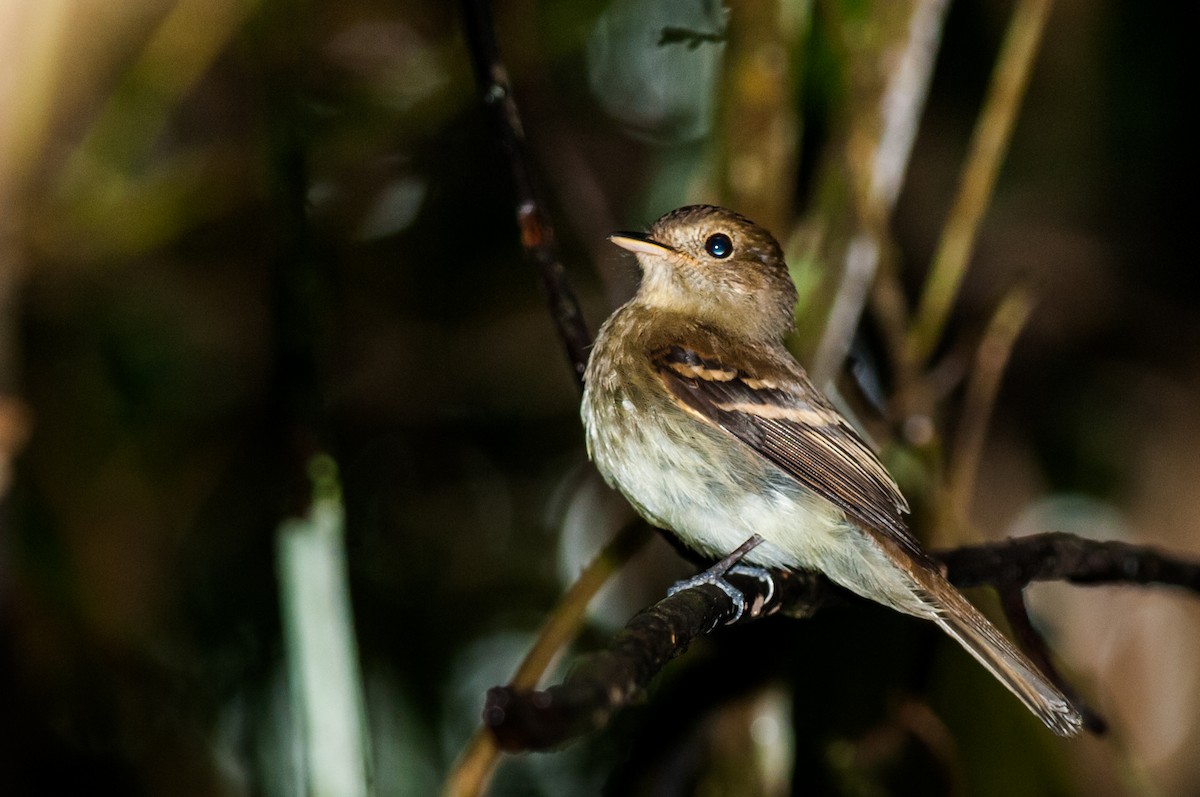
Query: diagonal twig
point(537, 233)
point(991, 360)
point(989, 142)
point(475, 765)
point(603, 683)
point(880, 147)
point(474, 768)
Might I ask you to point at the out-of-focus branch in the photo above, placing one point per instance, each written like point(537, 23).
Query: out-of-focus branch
point(759, 131)
point(31, 39)
point(879, 147)
point(537, 233)
point(475, 766)
point(989, 143)
point(991, 360)
point(14, 431)
point(604, 682)
point(15, 420)
point(327, 727)
point(320, 644)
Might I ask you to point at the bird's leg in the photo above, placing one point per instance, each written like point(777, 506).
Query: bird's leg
point(715, 575)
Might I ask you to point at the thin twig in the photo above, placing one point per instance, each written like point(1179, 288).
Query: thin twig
point(886, 135)
point(859, 265)
point(604, 682)
point(991, 360)
point(564, 621)
point(476, 764)
point(989, 143)
point(537, 233)
point(1064, 557)
point(889, 308)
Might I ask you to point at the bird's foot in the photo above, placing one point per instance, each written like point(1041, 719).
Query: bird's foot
point(715, 575)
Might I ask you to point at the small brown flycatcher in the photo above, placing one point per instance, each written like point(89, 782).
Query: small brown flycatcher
point(697, 413)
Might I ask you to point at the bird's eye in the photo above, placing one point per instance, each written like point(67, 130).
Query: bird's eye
point(718, 245)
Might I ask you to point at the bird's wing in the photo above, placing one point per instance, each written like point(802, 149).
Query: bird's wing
point(778, 413)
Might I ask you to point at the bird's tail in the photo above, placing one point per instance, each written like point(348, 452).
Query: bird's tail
point(941, 602)
point(973, 631)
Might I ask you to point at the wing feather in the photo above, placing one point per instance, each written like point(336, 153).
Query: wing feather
point(776, 411)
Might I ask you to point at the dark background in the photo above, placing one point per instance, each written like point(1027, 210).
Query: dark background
point(233, 234)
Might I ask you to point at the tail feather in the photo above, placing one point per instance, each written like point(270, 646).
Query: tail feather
point(931, 596)
point(979, 637)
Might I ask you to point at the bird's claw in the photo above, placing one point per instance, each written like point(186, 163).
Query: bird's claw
point(715, 575)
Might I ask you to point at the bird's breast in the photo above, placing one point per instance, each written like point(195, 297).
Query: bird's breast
point(697, 481)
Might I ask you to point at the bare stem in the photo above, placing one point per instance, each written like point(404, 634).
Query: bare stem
point(1012, 599)
point(989, 143)
point(537, 233)
point(879, 148)
point(991, 360)
point(564, 621)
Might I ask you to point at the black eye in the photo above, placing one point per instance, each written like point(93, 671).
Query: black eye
point(718, 245)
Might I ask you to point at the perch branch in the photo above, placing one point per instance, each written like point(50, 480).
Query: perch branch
point(477, 762)
point(606, 681)
point(1064, 557)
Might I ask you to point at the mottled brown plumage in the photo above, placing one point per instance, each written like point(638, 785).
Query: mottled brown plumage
point(697, 413)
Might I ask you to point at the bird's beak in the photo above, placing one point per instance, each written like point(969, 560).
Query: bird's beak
point(641, 244)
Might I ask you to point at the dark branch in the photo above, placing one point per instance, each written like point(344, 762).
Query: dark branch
point(604, 682)
point(1065, 557)
point(537, 233)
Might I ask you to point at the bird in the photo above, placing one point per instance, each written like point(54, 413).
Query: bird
point(696, 412)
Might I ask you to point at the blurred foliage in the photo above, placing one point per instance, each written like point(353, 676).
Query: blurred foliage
point(234, 232)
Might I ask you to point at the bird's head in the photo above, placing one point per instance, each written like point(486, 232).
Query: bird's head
point(717, 266)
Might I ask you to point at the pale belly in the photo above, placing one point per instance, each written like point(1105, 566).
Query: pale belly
point(713, 507)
